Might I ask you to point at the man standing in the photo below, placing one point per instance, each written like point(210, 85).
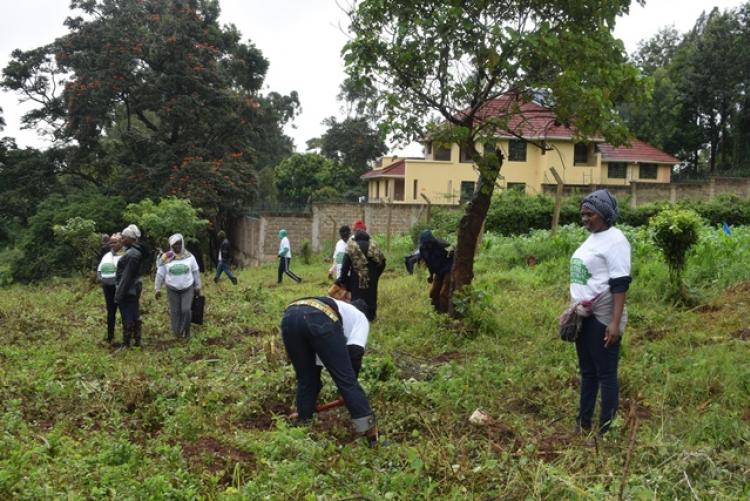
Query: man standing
point(225, 259)
point(128, 285)
point(339, 252)
point(285, 257)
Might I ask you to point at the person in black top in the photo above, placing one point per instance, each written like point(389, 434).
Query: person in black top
point(225, 259)
point(434, 252)
point(361, 269)
point(128, 285)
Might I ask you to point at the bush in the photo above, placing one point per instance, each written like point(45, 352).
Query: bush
point(40, 254)
point(160, 220)
point(80, 236)
point(675, 231)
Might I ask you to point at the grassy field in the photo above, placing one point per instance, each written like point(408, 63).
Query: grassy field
point(205, 418)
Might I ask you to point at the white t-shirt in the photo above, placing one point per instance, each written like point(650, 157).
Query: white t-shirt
point(284, 244)
point(355, 324)
point(604, 255)
point(179, 274)
point(338, 256)
point(108, 267)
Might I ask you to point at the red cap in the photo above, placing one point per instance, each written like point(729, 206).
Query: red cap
point(359, 225)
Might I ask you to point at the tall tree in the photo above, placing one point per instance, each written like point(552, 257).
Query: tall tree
point(158, 99)
point(446, 59)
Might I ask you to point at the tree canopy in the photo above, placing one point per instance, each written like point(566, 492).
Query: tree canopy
point(155, 99)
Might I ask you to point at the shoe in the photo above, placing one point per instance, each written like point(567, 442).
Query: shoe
point(234, 281)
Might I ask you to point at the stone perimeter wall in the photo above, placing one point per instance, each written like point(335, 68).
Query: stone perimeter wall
point(256, 238)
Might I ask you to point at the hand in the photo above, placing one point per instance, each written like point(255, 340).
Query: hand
point(157, 294)
point(612, 334)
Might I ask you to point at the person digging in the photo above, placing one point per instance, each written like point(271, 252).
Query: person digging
point(326, 328)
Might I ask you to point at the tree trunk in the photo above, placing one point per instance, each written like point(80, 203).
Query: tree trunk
point(470, 226)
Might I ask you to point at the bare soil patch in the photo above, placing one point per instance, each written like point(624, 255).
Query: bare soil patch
point(207, 453)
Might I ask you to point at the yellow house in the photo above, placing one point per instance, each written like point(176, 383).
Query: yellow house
point(536, 144)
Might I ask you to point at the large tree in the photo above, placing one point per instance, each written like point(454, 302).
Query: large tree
point(445, 60)
point(157, 99)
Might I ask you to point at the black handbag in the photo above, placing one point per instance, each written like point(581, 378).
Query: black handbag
point(196, 309)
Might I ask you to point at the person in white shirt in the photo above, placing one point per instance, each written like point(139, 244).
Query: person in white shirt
point(599, 280)
point(339, 252)
point(325, 327)
point(105, 273)
point(285, 257)
point(179, 270)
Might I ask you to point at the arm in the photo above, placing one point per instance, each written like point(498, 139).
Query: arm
point(196, 276)
point(612, 334)
point(161, 272)
point(346, 268)
point(129, 274)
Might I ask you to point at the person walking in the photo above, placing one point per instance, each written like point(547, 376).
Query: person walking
point(339, 252)
point(179, 270)
point(434, 252)
point(361, 268)
point(316, 326)
point(106, 273)
point(128, 285)
point(285, 257)
point(224, 261)
point(599, 281)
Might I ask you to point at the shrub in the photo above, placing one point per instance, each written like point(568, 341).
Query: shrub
point(306, 252)
point(675, 231)
point(160, 220)
point(79, 235)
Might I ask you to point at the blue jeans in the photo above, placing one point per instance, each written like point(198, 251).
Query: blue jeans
point(598, 367)
point(306, 332)
point(223, 266)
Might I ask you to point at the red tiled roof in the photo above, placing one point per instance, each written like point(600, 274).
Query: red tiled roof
point(638, 151)
point(397, 169)
point(533, 121)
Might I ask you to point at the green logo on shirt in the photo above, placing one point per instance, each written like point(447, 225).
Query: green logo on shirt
point(579, 274)
point(179, 269)
point(108, 269)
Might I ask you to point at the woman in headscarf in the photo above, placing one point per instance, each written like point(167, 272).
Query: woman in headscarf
point(599, 280)
point(434, 252)
point(361, 269)
point(179, 270)
point(106, 272)
point(285, 257)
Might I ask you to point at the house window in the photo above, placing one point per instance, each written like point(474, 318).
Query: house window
point(517, 150)
point(617, 170)
point(581, 153)
point(442, 154)
point(466, 155)
point(467, 190)
point(647, 171)
point(415, 191)
point(517, 186)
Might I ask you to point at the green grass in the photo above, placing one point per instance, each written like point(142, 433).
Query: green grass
point(205, 418)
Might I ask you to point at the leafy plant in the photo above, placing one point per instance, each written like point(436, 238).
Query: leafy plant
point(160, 220)
point(674, 232)
point(80, 235)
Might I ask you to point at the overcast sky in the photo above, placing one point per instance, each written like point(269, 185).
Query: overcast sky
point(302, 39)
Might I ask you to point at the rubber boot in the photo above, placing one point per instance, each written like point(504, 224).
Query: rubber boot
point(137, 333)
point(127, 332)
point(110, 336)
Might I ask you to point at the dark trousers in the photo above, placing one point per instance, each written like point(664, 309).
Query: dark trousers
point(306, 332)
point(109, 299)
point(223, 267)
point(440, 292)
point(130, 310)
point(598, 367)
point(284, 263)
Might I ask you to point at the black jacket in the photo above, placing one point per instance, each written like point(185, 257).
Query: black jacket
point(225, 248)
point(128, 275)
point(435, 254)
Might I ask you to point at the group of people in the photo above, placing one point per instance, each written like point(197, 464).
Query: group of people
point(331, 330)
point(177, 269)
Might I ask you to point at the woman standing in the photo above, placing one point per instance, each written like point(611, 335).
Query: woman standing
point(599, 280)
point(106, 272)
point(285, 257)
point(361, 269)
point(179, 269)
